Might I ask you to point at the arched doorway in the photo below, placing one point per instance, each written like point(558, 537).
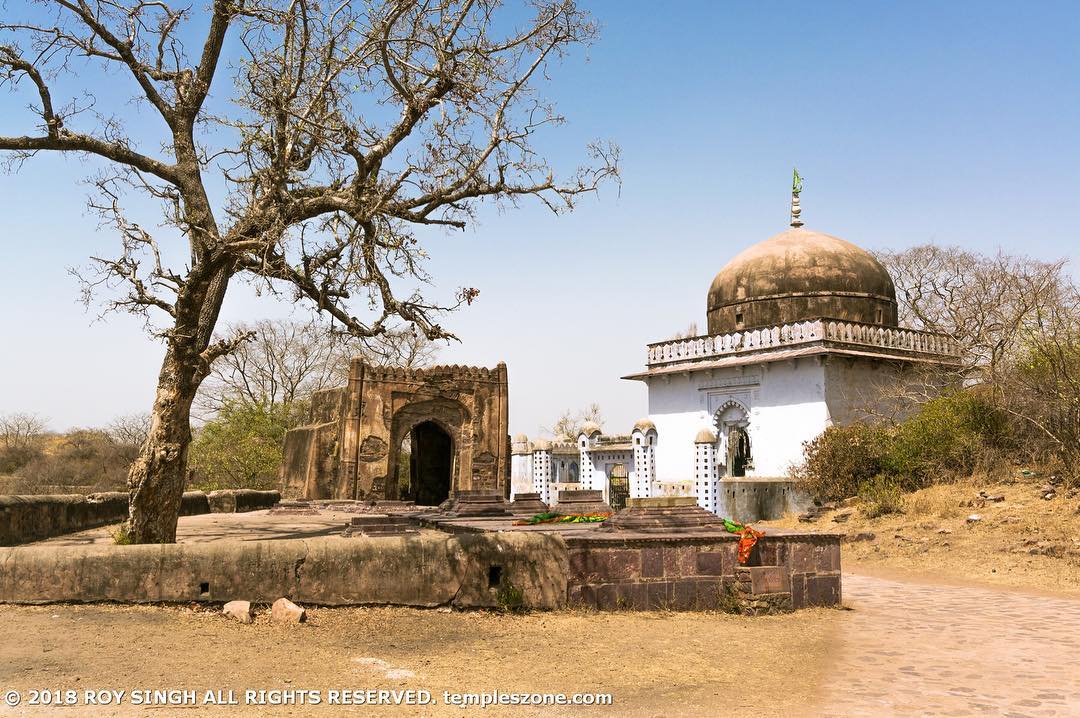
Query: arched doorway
point(734, 457)
point(431, 464)
point(738, 446)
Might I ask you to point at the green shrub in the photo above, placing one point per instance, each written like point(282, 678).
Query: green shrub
point(950, 436)
point(840, 459)
point(240, 448)
point(879, 496)
point(510, 598)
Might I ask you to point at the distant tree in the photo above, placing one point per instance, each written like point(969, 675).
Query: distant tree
point(568, 426)
point(287, 361)
point(346, 129)
point(1041, 389)
point(21, 437)
point(987, 304)
point(129, 429)
point(79, 460)
point(240, 448)
point(690, 331)
point(21, 430)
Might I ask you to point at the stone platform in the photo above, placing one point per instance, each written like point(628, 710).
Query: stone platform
point(657, 554)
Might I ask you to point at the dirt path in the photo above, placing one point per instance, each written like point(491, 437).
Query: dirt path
point(908, 648)
point(943, 650)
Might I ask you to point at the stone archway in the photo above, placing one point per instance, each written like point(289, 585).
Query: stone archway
point(435, 430)
point(431, 465)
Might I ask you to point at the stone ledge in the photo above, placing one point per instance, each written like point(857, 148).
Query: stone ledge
point(418, 570)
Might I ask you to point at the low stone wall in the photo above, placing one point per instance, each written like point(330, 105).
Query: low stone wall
point(701, 572)
point(239, 500)
point(24, 519)
point(750, 500)
point(32, 518)
point(428, 569)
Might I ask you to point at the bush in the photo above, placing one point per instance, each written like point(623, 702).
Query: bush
point(13, 458)
point(80, 461)
point(879, 496)
point(951, 436)
point(240, 448)
point(840, 459)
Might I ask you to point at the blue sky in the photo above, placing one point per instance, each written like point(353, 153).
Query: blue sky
point(913, 122)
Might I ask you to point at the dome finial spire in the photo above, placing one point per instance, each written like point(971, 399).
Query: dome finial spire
point(796, 190)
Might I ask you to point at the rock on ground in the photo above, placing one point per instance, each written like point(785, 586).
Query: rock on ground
point(240, 610)
point(285, 611)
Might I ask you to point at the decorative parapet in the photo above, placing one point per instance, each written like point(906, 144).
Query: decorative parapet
point(813, 331)
point(438, 372)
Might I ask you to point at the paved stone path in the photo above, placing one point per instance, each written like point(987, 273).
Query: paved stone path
point(914, 649)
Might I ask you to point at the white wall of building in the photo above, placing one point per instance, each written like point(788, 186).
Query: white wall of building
point(521, 474)
point(785, 402)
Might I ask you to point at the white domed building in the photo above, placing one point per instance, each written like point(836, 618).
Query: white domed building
point(802, 333)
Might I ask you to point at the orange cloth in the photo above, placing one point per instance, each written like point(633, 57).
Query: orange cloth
point(747, 538)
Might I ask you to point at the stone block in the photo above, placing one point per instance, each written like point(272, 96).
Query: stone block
point(823, 590)
point(652, 562)
point(798, 590)
point(769, 579)
point(710, 563)
point(285, 611)
point(238, 610)
point(661, 594)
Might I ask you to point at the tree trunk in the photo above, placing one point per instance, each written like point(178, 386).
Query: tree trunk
point(157, 477)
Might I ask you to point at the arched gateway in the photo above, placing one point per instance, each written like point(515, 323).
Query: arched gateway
point(455, 418)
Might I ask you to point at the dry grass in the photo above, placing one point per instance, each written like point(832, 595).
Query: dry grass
point(652, 663)
point(1023, 542)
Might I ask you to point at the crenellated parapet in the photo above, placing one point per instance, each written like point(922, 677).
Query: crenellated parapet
point(825, 332)
point(451, 372)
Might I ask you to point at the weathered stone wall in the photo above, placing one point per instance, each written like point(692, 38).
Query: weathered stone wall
point(749, 500)
point(32, 518)
point(702, 573)
point(24, 519)
point(428, 569)
point(349, 447)
point(231, 501)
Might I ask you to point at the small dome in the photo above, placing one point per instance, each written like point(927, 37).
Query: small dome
point(796, 275)
point(521, 439)
point(589, 428)
point(705, 436)
point(644, 425)
point(541, 445)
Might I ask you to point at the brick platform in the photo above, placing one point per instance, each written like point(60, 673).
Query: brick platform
point(700, 570)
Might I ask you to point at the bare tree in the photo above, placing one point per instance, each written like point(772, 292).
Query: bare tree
point(985, 303)
point(1042, 387)
point(568, 426)
point(286, 361)
point(690, 332)
point(129, 429)
point(21, 431)
point(351, 125)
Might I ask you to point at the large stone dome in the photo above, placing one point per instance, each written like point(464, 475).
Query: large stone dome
point(800, 274)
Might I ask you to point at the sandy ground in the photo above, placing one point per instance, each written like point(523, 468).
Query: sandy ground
point(652, 664)
point(902, 648)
